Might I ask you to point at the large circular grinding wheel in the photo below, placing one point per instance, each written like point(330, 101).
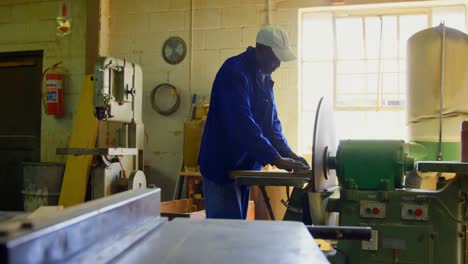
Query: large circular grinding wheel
point(323, 146)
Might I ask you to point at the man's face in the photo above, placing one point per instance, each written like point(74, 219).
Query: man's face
point(267, 60)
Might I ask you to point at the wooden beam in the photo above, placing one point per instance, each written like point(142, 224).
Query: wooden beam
point(92, 34)
point(7, 64)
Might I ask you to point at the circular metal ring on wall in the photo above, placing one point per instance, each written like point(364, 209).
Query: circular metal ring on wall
point(157, 90)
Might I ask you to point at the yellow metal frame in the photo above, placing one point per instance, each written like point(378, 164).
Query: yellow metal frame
point(84, 135)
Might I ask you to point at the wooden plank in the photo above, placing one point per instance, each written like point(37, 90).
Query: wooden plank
point(177, 206)
point(92, 34)
point(190, 174)
point(251, 211)
point(45, 211)
point(270, 173)
point(84, 135)
point(11, 226)
point(28, 63)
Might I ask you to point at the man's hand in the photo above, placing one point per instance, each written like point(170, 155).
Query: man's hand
point(293, 156)
point(289, 164)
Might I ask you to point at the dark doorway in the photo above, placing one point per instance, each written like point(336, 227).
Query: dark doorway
point(20, 127)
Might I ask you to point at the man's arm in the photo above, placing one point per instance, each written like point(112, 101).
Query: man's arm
point(279, 140)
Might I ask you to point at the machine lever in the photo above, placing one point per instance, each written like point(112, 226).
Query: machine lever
point(341, 232)
point(291, 208)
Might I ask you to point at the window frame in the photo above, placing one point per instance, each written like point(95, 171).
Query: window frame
point(363, 13)
point(401, 8)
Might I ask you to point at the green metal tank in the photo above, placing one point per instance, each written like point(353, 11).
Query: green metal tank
point(427, 73)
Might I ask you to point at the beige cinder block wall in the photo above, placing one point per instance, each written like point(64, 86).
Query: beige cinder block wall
point(31, 25)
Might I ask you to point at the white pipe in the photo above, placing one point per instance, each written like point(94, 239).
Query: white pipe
point(442, 83)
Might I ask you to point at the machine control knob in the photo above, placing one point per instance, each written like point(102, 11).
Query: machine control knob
point(410, 211)
point(368, 210)
point(418, 212)
point(375, 211)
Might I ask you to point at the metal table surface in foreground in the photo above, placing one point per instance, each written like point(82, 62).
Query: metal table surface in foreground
point(226, 241)
point(73, 231)
point(127, 228)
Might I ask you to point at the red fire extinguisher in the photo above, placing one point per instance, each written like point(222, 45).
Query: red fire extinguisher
point(53, 102)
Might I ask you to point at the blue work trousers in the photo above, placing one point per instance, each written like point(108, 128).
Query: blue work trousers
point(225, 201)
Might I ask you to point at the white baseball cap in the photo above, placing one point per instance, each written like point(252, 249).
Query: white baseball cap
point(277, 39)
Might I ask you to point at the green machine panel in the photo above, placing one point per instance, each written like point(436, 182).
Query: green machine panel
point(409, 226)
point(393, 243)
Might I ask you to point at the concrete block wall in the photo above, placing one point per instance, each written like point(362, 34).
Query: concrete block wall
point(31, 25)
point(136, 31)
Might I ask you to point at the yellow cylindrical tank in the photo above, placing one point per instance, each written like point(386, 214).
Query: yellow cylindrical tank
point(425, 72)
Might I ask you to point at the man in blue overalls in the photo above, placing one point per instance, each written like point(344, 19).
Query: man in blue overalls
point(242, 130)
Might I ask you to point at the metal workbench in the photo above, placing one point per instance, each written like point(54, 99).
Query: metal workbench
point(227, 241)
point(127, 228)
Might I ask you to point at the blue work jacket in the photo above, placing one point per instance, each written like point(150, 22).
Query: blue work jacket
point(242, 130)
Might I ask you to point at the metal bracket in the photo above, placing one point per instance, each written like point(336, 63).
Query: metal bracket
point(98, 151)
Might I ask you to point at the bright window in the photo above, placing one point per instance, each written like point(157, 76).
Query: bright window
point(357, 59)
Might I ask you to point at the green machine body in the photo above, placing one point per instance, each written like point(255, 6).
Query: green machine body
point(372, 164)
